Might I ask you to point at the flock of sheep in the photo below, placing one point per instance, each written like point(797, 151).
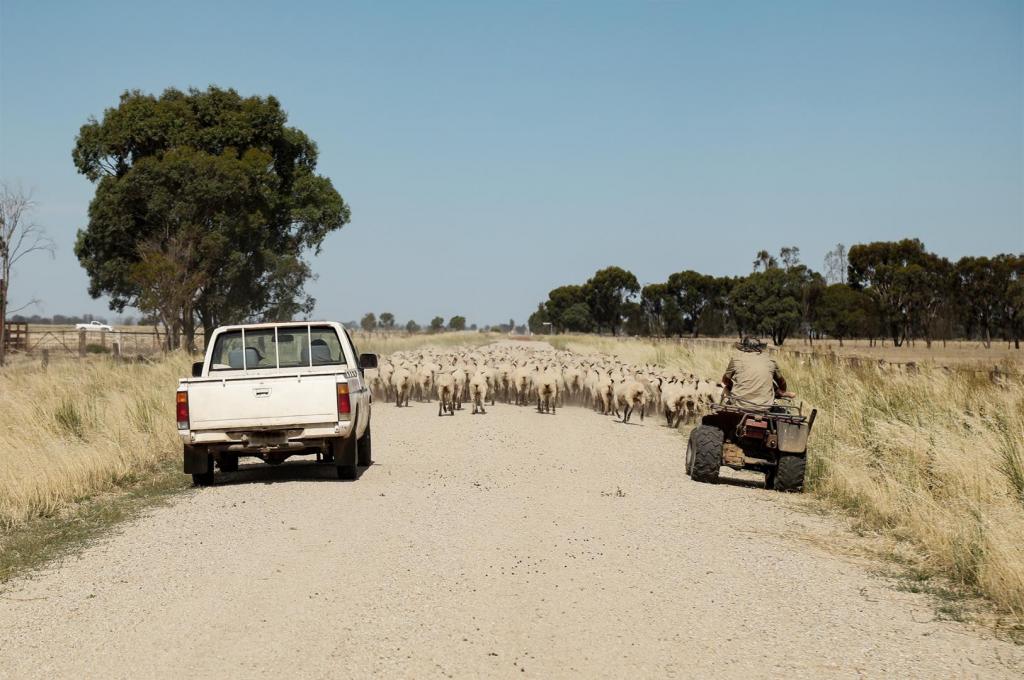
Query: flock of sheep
point(527, 375)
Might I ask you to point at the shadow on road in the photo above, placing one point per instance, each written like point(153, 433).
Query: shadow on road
point(289, 471)
point(744, 482)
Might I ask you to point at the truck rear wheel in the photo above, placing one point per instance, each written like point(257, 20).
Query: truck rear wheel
point(204, 478)
point(364, 451)
point(706, 460)
point(199, 463)
point(789, 476)
point(345, 457)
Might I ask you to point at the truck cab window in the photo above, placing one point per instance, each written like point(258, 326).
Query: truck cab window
point(324, 347)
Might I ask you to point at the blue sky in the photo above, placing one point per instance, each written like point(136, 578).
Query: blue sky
point(492, 151)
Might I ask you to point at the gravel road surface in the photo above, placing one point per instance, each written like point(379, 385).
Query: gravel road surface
point(512, 544)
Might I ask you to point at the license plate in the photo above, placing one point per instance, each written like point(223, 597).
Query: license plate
point(266, 441)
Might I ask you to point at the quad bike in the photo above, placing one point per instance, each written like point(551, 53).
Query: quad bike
point(773, 442)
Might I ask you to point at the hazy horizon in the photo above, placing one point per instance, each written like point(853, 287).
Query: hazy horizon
point(492, 153)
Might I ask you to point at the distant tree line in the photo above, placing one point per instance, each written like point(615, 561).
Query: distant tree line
point(886, 289)
point(386, 322)
point(62, 320)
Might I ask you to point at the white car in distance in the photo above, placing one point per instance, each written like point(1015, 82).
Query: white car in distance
point(92, 326)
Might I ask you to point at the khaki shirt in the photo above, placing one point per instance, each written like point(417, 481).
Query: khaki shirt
point(753, 378)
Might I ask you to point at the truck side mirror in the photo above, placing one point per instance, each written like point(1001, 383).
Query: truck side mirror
point(197, 369)
point(367, 361)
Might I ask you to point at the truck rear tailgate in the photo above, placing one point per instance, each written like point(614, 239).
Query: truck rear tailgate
point(262, 402)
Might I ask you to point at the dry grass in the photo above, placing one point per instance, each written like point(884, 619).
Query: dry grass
point(388, 343)
point(79, 428)
point(932, 458)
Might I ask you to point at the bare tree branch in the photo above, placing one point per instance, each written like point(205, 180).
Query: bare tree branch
point(33, 301)
point(19, 236)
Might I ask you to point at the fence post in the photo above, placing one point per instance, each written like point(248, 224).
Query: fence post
point(81, 343)
point(46, 357)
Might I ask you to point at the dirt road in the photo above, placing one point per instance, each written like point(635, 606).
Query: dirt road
point(509, 545)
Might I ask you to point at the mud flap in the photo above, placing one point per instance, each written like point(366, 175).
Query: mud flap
point(197, 459)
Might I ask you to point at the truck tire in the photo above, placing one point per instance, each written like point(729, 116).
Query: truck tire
point(706, 442)
point(199, 463)
point(345, 457)
point(204, 478)
point(364, 450)
point(789, 476)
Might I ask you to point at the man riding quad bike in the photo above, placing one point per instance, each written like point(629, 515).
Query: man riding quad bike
point(755, 427)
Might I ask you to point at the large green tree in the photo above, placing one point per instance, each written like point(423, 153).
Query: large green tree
point(883, 270)
point(577, 319)
point(843, 312)
point(695, 293)
point(559, 301)
point(768, 302)
point(983, 286)
point(215, 175)
point(659, 308)
point(1013, 297)
point(607, 292)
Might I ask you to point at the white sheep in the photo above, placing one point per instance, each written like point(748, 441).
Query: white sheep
point(444, 383)
point(478, 391)
point(546, 384)
point(401, 383)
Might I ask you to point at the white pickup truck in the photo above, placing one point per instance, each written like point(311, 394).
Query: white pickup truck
point(272, 391)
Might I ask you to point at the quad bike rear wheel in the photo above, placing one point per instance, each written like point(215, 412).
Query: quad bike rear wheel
point(789, 476)
point(704, 454)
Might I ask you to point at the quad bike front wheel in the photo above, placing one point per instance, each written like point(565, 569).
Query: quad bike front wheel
point(704, 454)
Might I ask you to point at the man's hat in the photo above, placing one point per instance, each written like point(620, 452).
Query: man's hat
point(749, 344)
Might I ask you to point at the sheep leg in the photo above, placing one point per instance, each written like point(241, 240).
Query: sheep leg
point(642, 409)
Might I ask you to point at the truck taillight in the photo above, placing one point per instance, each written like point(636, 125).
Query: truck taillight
point(182, 410)
point(344, 403)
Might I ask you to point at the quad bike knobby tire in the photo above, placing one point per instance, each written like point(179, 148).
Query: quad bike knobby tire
point(704, 454)
point(789, 476)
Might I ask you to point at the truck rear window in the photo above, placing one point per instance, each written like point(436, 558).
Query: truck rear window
point(281, 347)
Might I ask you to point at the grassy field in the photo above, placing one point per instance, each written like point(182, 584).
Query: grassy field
point(931, 458)
point(954, 353)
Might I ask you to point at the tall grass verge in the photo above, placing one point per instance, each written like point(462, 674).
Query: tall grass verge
point(930, 457)
point(81, 428)
point(388, 343)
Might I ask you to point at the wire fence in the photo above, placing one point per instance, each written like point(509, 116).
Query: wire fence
point(68, 343)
